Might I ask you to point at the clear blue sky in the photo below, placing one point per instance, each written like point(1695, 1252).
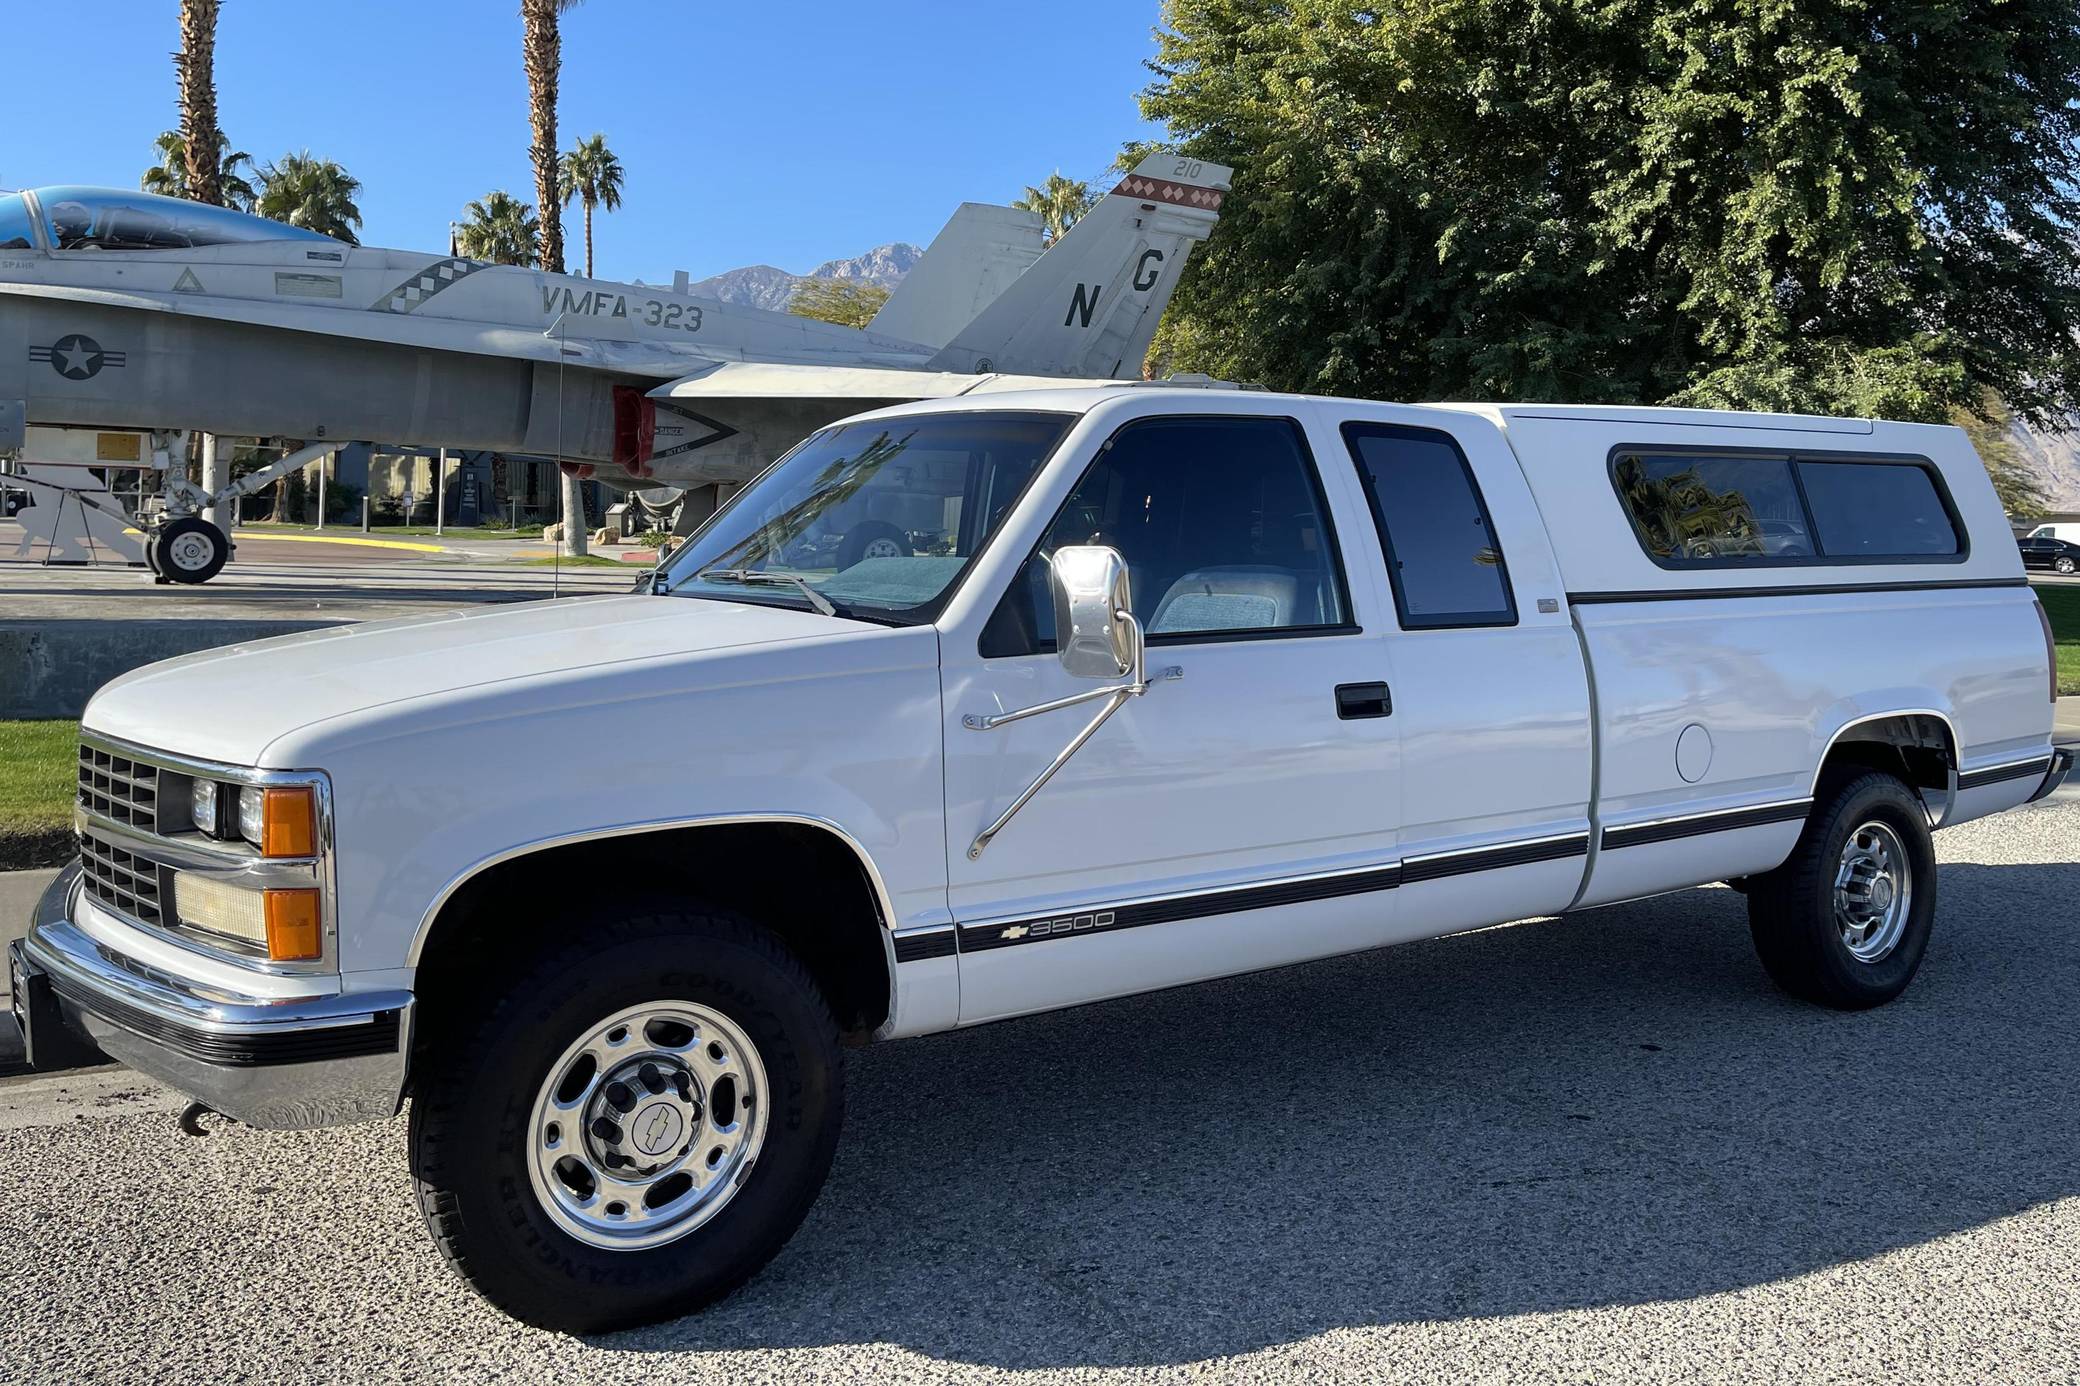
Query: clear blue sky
point(787, 132)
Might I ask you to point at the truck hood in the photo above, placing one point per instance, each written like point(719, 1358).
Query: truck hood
point(231, 704)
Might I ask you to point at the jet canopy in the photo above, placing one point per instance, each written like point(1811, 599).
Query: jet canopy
point(76, 218)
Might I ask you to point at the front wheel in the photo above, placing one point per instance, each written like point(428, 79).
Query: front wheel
point(1844, 923)
point(189, 550)
point(633, 1127)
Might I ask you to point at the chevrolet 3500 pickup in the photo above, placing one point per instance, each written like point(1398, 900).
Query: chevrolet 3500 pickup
point(994, 705)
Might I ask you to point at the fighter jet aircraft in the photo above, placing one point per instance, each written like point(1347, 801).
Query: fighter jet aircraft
point(126, 310)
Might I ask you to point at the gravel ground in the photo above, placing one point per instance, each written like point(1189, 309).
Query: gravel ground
point(1593, 1148)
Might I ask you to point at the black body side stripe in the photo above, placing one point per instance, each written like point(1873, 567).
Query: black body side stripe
point(2028, 769)
point(1003, 933)
point(1492, 858)
point(1831, 589)
point(1643, 833)
point(925, 943)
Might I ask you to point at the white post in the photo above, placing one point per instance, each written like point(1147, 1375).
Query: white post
point(440, 491)
point(324, 466)
point(213, 479)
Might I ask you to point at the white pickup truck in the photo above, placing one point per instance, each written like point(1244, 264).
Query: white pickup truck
point(982, 707)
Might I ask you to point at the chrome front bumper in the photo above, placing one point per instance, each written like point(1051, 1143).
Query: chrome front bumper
point(268, 1061)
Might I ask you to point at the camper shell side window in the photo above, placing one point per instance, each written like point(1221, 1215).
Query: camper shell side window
point(1703, 508)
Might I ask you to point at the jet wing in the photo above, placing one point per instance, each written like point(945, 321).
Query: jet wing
point(774, 380)
point(435, 334)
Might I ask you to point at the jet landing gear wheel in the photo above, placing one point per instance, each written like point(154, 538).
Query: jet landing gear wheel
point(873, 539)
point(189, 550)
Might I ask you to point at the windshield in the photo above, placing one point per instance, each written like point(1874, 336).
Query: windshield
point(880, 517)
point(103, 219)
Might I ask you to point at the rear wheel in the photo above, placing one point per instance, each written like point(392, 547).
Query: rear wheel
point(2063, 564)
point(634, 1127)
point(1845, 922)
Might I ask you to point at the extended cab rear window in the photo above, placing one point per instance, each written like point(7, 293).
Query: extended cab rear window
point(1709, 509)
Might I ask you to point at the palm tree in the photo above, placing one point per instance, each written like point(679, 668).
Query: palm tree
point(169, 177)
point(499, 228)
point(1060, 202)
point(195, 66)
point(541, 49)
point(542, 52)
point(315, 194)
point(592, 174)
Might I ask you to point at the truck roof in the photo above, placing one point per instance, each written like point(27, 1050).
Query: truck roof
point(1566, 453)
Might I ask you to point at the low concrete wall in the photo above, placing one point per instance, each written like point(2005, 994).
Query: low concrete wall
point(51, 668)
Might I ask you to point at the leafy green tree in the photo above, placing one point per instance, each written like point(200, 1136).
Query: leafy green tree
point(169, 177)
point(315, 194)
point(847, 302)
point(1060, 203)
point(499, 228)
point(1768, 203)
point(593, 175)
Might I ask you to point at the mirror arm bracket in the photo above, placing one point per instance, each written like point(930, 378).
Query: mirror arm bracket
point(1117, 695)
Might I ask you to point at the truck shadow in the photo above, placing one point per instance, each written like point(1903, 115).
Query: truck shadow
point(1610, 1109)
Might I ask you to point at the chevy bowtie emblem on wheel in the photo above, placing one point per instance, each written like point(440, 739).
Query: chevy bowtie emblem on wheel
point(77, 357)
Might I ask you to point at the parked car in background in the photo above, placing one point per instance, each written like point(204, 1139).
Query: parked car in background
point(986, 706)
point(2044, 551)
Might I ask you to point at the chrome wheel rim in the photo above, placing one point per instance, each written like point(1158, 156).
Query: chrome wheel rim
point(1873, 892)
point(191, 553)
point(648, 1125)
point(882, 548)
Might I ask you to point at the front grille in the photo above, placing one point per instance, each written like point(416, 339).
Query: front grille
point(119, 789)
point(126, 882)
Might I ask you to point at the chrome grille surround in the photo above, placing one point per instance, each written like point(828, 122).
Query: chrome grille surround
point(121, 857)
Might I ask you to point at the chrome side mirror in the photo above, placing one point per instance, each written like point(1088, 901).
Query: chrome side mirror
point(1096, 636)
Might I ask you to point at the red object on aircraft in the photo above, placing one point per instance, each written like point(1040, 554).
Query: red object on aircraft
point(635, 429)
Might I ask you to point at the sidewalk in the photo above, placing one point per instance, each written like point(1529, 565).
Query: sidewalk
point(2065, 727)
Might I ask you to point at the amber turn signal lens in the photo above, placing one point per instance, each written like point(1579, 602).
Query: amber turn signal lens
point(295, 927)
point(289, 823)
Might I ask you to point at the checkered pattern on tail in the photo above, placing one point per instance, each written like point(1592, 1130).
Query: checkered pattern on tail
point(425, 284)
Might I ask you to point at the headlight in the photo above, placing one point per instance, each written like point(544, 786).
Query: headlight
point(202, 807)
point(252, 813)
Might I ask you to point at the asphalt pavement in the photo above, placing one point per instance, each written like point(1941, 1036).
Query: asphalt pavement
point(1593, 1148)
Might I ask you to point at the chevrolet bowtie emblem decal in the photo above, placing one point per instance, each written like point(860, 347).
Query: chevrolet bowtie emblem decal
point(1016, 931)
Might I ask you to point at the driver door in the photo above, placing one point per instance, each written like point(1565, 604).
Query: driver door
point(1239, 814)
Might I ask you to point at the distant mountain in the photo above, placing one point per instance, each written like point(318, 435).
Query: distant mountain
point(2054, 459)
point(764, 286)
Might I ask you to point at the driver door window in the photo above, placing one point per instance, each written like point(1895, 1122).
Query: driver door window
point(1222, 524)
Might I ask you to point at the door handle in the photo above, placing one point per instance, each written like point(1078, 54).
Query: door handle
point(1354, 700)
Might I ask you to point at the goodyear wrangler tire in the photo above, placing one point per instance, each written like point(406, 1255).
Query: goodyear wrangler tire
point(1844, 923)
point(633, 1125)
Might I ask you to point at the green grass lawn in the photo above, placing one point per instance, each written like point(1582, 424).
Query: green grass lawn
point(2063, 605)
point(37, 780)
point(590, 560)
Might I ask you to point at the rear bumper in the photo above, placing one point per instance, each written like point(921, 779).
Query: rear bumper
point(2061, 766)
point(268, 1061)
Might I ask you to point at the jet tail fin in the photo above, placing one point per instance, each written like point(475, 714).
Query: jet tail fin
point(1089, 307)
point(981, 252)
